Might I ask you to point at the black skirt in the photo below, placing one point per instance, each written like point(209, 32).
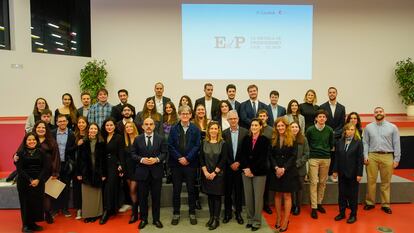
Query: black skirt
point(289, 182)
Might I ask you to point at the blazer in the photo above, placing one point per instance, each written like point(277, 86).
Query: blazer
point(116, 112)
point(335, 120)
point(91, 175)
point(164, 100)
point(349, 163)
point(71, 146)
point(227, 137)
point(302, 157)
point(193, 141)
point(281, 111)
point(247, 113)
point(215, 108)
point(290, 119)
point(257, 159)
point(140, 150)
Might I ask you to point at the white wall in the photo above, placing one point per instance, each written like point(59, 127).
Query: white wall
point(356, 45)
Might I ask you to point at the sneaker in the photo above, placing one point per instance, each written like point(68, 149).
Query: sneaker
point(125, 208)
point(78, 214)
point(175, 219)
point(193, 219)
point(66, 213)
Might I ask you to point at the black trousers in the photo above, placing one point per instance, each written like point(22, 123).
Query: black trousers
point(214, 205)
point(144, 188)
point(297, 197)
point(62, 202)
point(348, 193)
point(233, 186)
point(77, 193)
point(180, 175)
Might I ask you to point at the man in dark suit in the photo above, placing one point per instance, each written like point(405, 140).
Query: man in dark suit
point(250, 107)
point(183, 146)
point(65, 139)
point(275, 109)
point(336, 120)
point(234, 137)
point(210, 103)
point(159, 99)
point(86, 104)
point(149, 151)
point(231, 97)
point(117, 109)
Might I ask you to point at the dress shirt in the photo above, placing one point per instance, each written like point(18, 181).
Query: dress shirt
point(333, 108)
point(274, 111)
point(208, 108)
point(234, 140)
point(233, 104)
point(382, 137)
point(319, 128)
point(126, 120)
point(159, 104)
point(61, 139)
point(185, 127)
point(99, 112)
point(255, 104)
point(85, 111)
point(224, 124)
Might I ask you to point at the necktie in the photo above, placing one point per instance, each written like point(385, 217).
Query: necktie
point(254, 107)
point(149, 144)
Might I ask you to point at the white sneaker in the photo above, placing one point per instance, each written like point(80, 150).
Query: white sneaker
point(125, 208)
point(78, 214)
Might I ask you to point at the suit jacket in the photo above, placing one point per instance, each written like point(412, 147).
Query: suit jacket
point(164, 100)
point(247, 113)
point(193, 141)
point(215, 108)
point(349, 163)
point(70, 146)
point(140, 150)
point(281, 111)
point(257, 158)
point(227, 137)
point(335, 120)
point(117, 112)
point(236, 106)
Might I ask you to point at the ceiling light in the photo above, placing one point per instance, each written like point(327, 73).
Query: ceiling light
point(59, 43)
point(73, 42)
point(53, 25)
point(32, 28)
point(38, 43)
point(35, 37)
point(73, 33)
point(2, 45)
point(59, 49)
point(1, 28)
point(73, 48)
point(55, 35)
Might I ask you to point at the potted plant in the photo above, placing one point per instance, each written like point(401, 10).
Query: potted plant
point(93, 77)
point(404, 74)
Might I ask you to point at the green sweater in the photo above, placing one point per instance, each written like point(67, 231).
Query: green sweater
point(320, 142)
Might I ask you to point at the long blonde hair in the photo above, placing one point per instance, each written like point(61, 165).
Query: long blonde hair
point(134, 133)
point(289, 138)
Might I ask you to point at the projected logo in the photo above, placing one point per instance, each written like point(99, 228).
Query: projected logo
point(222, 42)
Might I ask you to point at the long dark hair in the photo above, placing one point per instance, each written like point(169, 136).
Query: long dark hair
point(73, 112)
point(22, 146)
point(289, 107)
point(104, 133)
point(146, 112)
point(49, 140)
point(36, 111)
point(219, 110)
point(190, 103)
point(98, 134)
point(78, 135)
point(174, 117)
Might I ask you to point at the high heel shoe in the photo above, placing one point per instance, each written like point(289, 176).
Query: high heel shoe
point(285, 229)
point(105, 217)
point(277, 226)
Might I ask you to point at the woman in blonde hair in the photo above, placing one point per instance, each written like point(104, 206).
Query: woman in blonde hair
point(284, 179)
point(308, 108)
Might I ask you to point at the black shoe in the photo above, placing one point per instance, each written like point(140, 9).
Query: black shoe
point(386, 210)
point(339, 217)
point(210, 221)
point(193, 219)
point(351, 219)
point(255, 228)
point(284, 229)
point(321, 209)
point(226, 219)
point(198, 205)
point(157, 224)
point(93, 219)
point(87, 220)
point(35, 227)
point(48, 217)
point(296, 210)
point(175, 219)
point(314, 214)
point(239, 219)
point(267, 209)
point(134, 218)
point(142, 224)
point(104, 218)
point(248, 225)
point(369, 207)
point(26, 229)
point(214, 224)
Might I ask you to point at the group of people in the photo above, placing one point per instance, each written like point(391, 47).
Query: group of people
point(116, 157)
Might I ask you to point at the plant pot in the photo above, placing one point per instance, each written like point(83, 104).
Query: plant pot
point(410, 110)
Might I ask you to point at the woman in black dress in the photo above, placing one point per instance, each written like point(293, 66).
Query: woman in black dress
point(284, 179)
point(213, 155)
point(169, 119)
point(32, 168)
point(308, 108)
point(68, 109)
point(114, 159)
point(348, 167)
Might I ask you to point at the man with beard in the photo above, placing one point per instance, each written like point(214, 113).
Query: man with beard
point(127, 112)
point(382, 152)
point(117, 109)
point(209, 102)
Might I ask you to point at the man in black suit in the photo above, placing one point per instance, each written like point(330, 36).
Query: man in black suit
point(336, 120)
point(250, 107)
point(210, 103)
point(149, 152)
point(86, 104)
point(117, 109)
point(231, 97)
point(234, 137)
point(65, 139)
point(159, 99)
point(275, 110)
